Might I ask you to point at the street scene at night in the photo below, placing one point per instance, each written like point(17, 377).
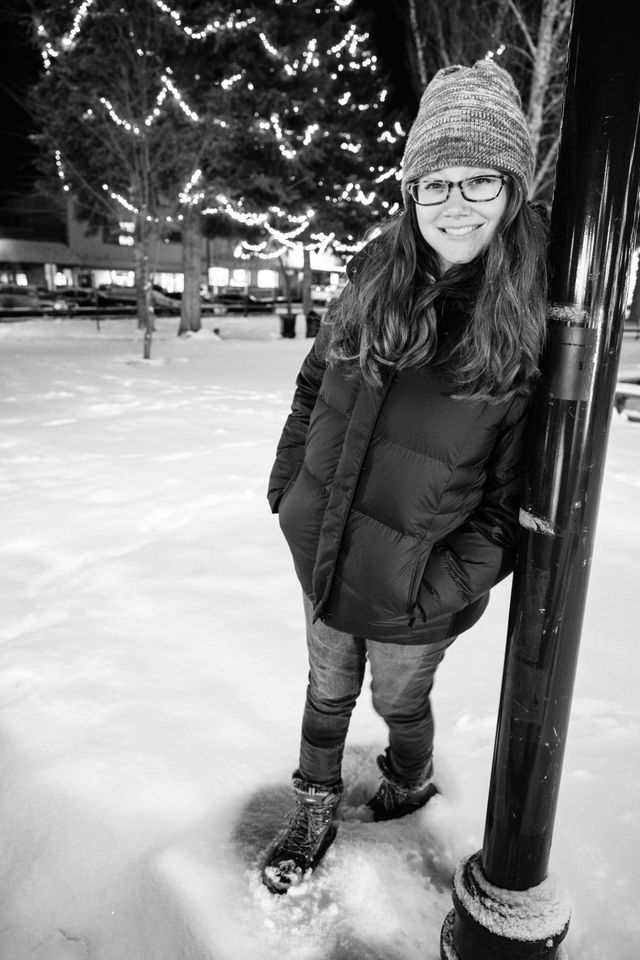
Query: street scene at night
point(316, 234)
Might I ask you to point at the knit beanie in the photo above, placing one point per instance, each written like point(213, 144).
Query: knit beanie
point(469, 117)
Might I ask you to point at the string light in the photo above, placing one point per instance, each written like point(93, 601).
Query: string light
point(254, 247)
point(187, 196)
point(120, 199)
point(248, 219)
point(214, 27)
point(60, 170)
point(283, 138)
point(131, 127)
point(50, 53)
point(346, 50)
point(230, 81)
point(292, 218)
point(266, 43)
point(244, 252)
point(347, 247)
point(309, 132)
point(168, 86)
point(311, 58)
point(287, 151)
point(285, 238)
point(177, 96)
point(391, 172)
point(83, 10)
point(350, 39)
point(495, 53)
point(324, 239)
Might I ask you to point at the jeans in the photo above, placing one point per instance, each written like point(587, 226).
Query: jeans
point(401, 681)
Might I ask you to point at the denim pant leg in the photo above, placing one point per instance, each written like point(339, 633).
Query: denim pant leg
point(402, 678)
point(336, 670)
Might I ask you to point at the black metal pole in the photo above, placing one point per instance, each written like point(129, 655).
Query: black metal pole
point(593, 227)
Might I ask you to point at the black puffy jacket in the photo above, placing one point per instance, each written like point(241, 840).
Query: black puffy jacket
point(399, 504)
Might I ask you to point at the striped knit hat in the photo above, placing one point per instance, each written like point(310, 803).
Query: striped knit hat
point(469, 117)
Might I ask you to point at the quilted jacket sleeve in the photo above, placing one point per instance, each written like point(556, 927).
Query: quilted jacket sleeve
point(481, 551)
point(290, 451)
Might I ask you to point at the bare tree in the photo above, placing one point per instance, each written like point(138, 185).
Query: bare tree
point(98, 107)
point(418, 44)
point(529, 37)
point(545, 49)
point(131, 107)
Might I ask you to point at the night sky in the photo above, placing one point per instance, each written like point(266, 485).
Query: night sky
point(19, 66)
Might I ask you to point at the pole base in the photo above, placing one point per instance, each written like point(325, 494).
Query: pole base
point(489, 923)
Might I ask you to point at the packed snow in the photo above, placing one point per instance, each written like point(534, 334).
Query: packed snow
point(154, 667)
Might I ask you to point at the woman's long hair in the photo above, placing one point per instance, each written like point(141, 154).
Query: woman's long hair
point(386, 315)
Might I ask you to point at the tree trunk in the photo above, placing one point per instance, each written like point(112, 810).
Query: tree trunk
point(142, 256)
point(542, 68)
point(286, 275)
point(190, 311)
point(418, 43)
point(307, 301)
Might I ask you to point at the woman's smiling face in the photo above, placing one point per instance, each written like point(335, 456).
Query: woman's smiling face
point(458, 230)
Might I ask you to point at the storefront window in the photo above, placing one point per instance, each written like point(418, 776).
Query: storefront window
point(239, 277)
point(268, 279)
point(171, 282)
point(218, 277)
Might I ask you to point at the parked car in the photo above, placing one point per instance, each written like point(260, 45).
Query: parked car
point(237, 302)
point(28, 301)
point(324, 293)
point(166, 293)
point(111, 296)
point(78, 298)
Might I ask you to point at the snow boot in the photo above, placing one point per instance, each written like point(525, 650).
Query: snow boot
point(394, 799)
point(308, 835)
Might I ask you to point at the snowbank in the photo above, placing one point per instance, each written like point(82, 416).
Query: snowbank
point(153, 672)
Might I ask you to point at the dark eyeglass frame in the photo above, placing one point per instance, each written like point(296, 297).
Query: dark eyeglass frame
point(413, 189)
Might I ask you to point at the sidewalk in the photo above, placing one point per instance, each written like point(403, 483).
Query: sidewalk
point(630, 354)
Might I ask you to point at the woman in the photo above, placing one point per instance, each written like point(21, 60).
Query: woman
point(398, 473)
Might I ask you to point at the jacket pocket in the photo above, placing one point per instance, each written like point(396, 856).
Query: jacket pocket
point(285, 490)
point(423, 552)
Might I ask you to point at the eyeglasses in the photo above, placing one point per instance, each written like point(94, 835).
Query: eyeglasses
point(428, 193)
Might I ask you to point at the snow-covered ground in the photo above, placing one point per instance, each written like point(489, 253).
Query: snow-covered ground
point(153, 672)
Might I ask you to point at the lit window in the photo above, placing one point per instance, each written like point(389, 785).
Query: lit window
point(239, 277)
point(267, 279)
point(218, 277)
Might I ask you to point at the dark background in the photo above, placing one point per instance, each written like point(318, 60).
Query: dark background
point(20, 65)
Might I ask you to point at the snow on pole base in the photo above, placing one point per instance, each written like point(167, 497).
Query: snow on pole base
point(490, 923)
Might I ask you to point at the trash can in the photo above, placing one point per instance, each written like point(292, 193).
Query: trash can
point(313, 323)
point(288, 325)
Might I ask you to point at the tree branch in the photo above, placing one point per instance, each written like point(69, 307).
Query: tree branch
point(524, 28)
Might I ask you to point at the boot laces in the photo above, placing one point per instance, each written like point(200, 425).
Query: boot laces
point(390, 795)
point(307, 825)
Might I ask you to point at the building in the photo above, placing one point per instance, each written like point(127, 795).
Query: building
point(44, 246)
